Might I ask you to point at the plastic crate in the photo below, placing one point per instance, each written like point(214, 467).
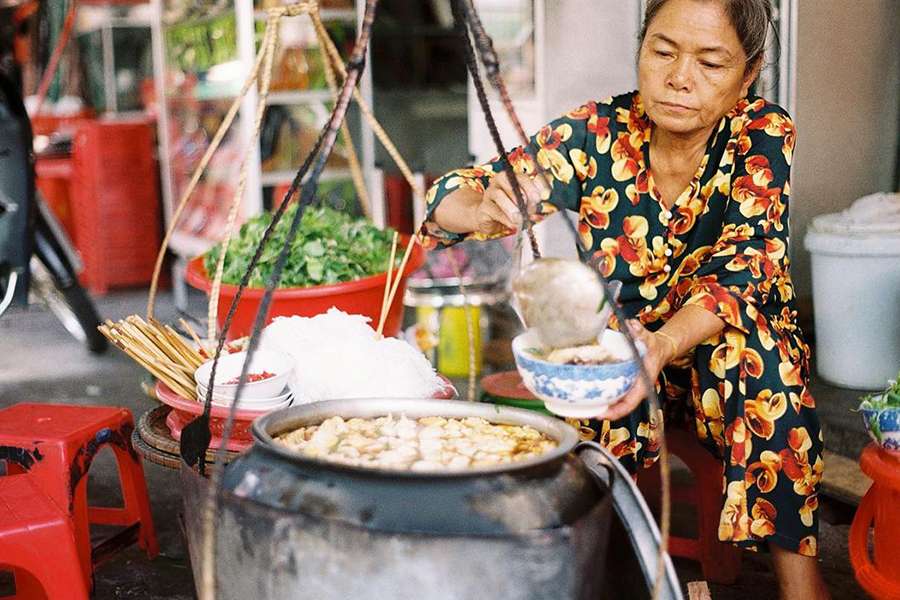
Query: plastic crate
point(115, 203)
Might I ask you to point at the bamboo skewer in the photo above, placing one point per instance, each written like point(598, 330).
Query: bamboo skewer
point(158, 349)
point(395, 284)
point(385, 307)
point(200, 346)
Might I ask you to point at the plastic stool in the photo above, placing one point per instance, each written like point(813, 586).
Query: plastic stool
point(878, 509)
point(720, 561)
point(37, 541)
point(55, 444)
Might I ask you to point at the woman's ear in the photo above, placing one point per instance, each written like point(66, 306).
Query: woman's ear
point(750, 76)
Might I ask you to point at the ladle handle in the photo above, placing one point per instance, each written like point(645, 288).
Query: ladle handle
point(633, 511)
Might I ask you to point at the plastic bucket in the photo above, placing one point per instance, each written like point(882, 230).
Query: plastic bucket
point(856, 297)
point(360, 297)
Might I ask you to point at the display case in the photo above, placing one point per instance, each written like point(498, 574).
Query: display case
point(116, 60)
point(203, 51)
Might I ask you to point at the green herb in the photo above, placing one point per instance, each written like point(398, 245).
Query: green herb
point(889, 398)
point(330, 247)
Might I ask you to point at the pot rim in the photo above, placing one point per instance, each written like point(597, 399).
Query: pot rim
point(197, 277)
point(292, 417)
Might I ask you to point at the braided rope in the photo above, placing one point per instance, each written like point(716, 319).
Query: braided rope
point(359, 181)
point(462, 30)
point(366, 111)
point(321, 151)
point(198, 173)
point(492, 69)
point(269, 42)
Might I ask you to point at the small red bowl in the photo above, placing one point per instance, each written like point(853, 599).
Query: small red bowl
point(184, 411)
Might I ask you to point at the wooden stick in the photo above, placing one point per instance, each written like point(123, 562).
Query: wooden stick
point(399, 275)
point(387, 288)
point(196, 338)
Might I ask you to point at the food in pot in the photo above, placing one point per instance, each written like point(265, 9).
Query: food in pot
point(424, 444)
point(251, 377)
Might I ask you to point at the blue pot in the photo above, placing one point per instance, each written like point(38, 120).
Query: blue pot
point(582, 391)
point(883, 426)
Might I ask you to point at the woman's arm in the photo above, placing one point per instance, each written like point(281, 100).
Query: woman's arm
point(492, 212)
point(479, 202)
point(687, 328)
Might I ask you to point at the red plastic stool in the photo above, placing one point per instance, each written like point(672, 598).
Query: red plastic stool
point(878, 508)
point(38, 543)
point(721, 562)
point(55, 444)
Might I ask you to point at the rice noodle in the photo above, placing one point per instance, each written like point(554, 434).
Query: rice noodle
point(338, 355)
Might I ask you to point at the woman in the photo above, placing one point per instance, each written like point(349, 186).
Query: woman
point(700, 242)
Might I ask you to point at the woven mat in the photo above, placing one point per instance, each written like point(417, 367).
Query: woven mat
point(153, 441)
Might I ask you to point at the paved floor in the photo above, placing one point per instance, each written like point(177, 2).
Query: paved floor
point(40, 362)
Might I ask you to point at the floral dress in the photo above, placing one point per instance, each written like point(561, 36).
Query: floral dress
point(723, 246)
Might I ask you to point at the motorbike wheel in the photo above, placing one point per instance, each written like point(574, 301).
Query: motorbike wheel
point(71, 305)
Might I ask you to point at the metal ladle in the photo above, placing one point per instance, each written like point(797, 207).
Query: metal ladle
point(564, 301)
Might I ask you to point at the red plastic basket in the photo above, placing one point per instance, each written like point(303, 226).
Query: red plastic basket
point(362, 297)
point(115, 203)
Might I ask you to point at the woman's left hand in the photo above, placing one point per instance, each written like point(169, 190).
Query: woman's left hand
point(659, 353)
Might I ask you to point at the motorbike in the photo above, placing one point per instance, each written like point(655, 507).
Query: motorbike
point(37, 260)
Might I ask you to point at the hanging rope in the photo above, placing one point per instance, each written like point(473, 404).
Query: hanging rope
point(321, 151)
point(268, 44)
point(198, 173)
point(462, 31)
point(356, 174)
point(364, 108)
point(492, 70)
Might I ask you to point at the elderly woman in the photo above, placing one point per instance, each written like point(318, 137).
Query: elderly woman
point(682, 194)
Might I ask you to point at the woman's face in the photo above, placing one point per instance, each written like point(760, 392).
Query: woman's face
point(692, 68)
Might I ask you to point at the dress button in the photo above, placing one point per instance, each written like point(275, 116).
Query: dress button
point(668, 252)
point(667, 214)
point(667, 268)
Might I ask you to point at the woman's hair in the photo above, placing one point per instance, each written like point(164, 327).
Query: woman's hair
point(751, 20)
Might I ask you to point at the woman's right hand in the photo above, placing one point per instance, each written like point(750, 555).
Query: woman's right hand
point(497, 211)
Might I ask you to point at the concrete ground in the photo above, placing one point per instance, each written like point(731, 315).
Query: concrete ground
point(40, 362)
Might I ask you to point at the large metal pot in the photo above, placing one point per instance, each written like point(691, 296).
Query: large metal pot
point(291, 526)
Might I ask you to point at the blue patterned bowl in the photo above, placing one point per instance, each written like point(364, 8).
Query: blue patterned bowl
point(883, 425)
point(581, 391)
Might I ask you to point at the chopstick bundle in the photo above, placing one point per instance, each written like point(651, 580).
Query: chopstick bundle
point(159, 349)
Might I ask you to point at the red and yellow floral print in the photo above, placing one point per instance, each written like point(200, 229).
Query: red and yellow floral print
point(764, 515)
point(734, 522)
point(778, 126)
point(550, 157)
point(723, 248)
point(594, 213)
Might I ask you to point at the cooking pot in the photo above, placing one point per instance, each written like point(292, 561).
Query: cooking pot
point(290, 525)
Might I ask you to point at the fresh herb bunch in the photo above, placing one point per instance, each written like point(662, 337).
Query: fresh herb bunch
point(330, 247)
point(889, 398)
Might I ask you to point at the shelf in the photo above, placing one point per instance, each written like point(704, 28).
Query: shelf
point(347, 15)
point(299, 97)
point(273, 178)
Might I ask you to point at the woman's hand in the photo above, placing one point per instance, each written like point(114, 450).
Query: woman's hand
point(660, 351)
point(497, 211)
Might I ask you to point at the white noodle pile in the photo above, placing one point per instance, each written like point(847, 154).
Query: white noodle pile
point(336, 355)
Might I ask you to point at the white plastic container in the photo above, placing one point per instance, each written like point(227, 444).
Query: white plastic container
point(856, 292)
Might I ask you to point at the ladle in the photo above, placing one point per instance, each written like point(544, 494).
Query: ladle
point(564, 301)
